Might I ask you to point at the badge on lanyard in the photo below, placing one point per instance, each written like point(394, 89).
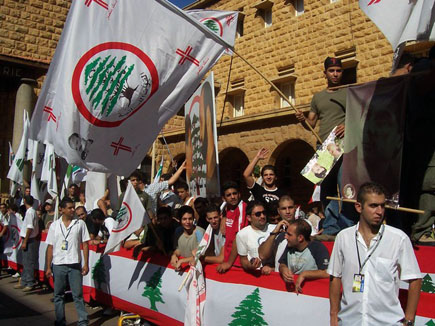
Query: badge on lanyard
point(358, 283)
point(64, 245)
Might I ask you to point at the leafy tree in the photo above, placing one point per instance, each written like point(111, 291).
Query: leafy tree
point(152, 289)
point(428, 285)
point(99, 273)
point(249, 312)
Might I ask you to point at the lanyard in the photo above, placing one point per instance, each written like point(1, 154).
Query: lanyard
point(381, 233)
point(68, 229)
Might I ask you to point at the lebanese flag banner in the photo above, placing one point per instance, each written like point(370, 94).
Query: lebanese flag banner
point(401, 20)
point(120, 68)
point(131, 216)
point(16, 170)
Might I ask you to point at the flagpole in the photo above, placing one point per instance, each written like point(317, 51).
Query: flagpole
point(166, 145)
point(279, 92)
point(153, 163)
point(397, 208)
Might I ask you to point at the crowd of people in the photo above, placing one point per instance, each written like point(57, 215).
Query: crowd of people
point(269, 233)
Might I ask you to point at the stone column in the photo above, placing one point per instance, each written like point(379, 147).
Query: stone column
point(25, 101)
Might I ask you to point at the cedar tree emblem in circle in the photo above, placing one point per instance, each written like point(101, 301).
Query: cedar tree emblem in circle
point(123, 218)
point(112, 81)
point(214, 25)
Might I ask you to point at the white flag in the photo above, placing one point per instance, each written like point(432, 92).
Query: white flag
point(159, 172)
point(38, 189)
point(96, 184)
point(120, 69)
point(195, 285)
point(401, 20)
point(11, 154)
point(130, 218)
point(12, 239)
point(48, 173)
point(16, 170)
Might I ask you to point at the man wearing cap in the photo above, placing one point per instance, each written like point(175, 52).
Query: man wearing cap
point(329, 106)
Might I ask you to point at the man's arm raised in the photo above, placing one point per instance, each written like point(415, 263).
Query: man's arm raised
point(247, 174)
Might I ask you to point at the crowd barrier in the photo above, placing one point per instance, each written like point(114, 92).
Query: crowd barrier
point(147, 285)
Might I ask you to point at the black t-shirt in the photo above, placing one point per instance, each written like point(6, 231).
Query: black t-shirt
point(266, 196)
point(94, 229)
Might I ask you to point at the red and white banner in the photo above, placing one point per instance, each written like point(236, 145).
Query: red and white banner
point(120, 68)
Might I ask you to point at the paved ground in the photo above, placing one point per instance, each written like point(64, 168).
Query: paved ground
point(35, 308)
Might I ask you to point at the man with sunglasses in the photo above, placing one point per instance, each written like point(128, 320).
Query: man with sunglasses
point(249, 239)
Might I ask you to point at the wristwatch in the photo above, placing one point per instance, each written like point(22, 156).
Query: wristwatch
point(407, 322)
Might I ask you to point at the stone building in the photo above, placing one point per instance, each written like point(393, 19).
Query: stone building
point(287, 40)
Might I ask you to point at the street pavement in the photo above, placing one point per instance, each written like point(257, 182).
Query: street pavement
point(35, 308)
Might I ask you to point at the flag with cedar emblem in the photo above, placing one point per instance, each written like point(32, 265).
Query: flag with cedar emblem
point(122, 68)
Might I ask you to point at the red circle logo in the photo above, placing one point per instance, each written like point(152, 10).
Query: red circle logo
point(111, 82)
point(123, 218)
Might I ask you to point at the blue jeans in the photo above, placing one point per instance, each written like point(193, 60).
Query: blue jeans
point(74, 274)
point(335, 219)
point(30, 261)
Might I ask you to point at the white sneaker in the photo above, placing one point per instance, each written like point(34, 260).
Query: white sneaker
point(16, 275)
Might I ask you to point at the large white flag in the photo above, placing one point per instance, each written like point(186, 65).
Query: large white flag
point(401, 20)
point(96, 184)
point(16, 170)
point(121, 67)
point(195, 285)
point(131, 216)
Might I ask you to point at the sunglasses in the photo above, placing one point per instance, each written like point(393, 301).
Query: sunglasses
point(258, 214)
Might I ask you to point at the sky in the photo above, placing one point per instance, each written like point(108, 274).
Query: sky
point(181, 3)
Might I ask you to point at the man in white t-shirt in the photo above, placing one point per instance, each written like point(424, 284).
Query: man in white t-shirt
point(249, 238)
point(63, 251)
point(29, 246)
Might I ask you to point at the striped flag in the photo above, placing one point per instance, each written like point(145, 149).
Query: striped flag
point(159, 172)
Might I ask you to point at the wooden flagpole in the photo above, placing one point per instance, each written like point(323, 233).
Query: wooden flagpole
point(402, 209)
point(279, 92)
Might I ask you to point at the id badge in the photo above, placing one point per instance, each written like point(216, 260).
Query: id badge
point(358, 283)
point(64, 245)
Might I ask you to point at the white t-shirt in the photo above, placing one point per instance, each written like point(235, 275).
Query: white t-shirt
point(30, 222)
point(392, 259)
point(109, 223)
point(75, 235)
point(248, 240)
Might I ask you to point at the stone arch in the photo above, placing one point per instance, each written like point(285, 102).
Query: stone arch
point(289, 158)
point(232, 162)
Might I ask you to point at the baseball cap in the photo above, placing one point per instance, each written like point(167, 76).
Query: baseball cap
point(329, 62)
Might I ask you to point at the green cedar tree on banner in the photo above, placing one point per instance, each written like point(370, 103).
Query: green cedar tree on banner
point(99, 273)
point(428, 285)
point(152, 289)
point(430, 323)
point(249, 312)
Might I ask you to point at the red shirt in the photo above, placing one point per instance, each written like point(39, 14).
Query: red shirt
point(234, 223)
